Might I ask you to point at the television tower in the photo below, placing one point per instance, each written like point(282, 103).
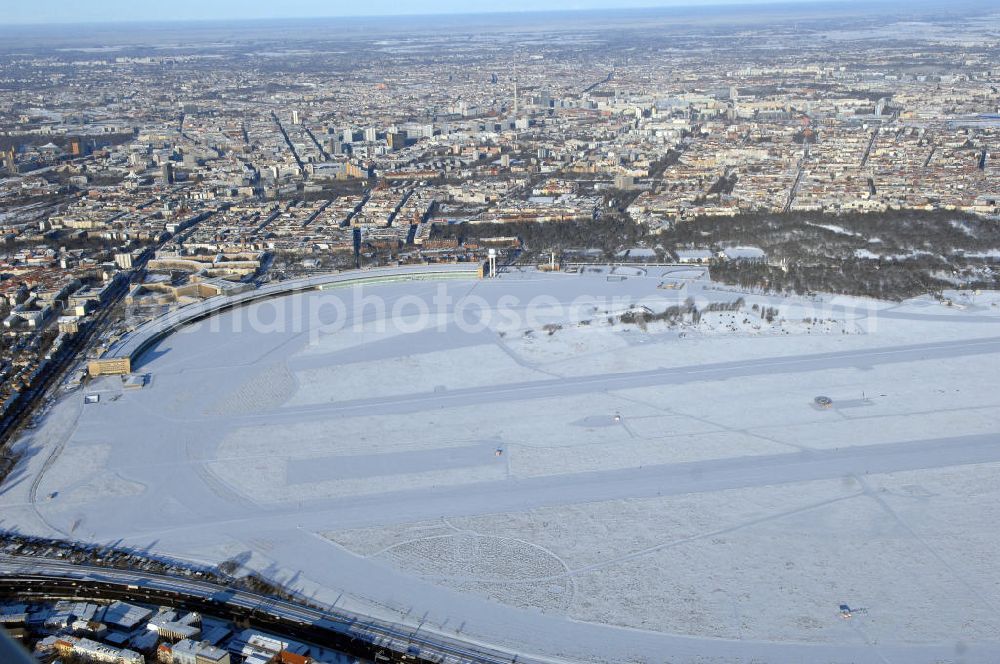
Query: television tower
point(515, 90)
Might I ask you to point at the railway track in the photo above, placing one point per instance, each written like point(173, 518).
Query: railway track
point(348, 632)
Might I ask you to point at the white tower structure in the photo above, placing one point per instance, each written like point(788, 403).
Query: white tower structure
point(515, 91)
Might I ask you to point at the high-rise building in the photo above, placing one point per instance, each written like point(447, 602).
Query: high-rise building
point(295, 118)
point(396, 140)
point(167, 173)
point(371, 134)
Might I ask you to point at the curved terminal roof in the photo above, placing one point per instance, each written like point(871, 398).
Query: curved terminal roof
point(136, 342)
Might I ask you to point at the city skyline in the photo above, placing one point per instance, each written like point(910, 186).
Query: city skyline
point(115, 11)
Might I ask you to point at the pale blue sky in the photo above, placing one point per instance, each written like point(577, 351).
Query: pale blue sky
point(74, 11)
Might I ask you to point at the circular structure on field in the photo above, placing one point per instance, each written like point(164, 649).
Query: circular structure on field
point(823, 402)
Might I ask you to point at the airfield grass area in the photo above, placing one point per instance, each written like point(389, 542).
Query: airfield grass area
point(564, 483)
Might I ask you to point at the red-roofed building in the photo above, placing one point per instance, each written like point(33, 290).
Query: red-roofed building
point(285, 657)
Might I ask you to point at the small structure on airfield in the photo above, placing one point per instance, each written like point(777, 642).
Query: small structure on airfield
point(112, 366)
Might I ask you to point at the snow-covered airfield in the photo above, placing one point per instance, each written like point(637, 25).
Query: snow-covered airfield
point(480, 457)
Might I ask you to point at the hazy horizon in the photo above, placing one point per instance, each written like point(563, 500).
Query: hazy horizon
point(63, 12)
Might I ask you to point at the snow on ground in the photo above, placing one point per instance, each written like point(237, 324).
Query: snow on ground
point(594, 490)
point(815, 546)
point(972, 300)
point(360, 333)
point(803, 566)
point(454, 368)
point(273, 385)
point(613, 453)
point(601, 331)
point(569, 342)
point(992, 254)
point(266, 481)
point(745, 322)
point(834, 228)
point(962, 226)
point(507, 569)
point(81, 477)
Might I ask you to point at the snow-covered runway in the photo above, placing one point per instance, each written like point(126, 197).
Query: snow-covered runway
point(569, 484)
